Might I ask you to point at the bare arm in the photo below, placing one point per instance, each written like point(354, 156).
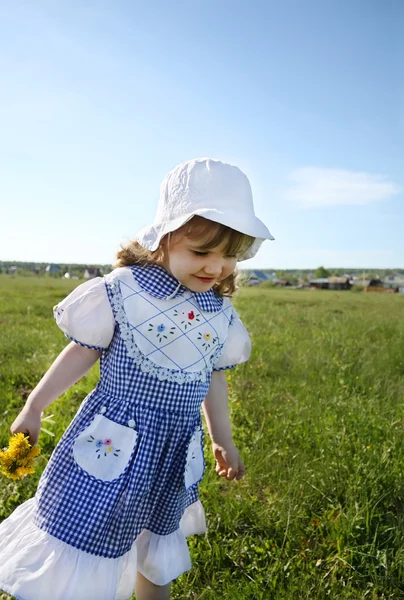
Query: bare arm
point(216, 410)
point(71, 364)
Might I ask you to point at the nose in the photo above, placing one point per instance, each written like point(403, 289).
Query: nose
point(213, 267)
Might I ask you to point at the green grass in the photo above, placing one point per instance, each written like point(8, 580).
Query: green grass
point(318, 418)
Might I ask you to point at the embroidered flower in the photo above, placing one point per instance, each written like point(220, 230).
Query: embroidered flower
point(189, 317)
point(209, 341)
point(160, 335)
point(103, 447)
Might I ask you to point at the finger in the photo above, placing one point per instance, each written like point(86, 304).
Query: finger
point(240, 474)
point(222, 473)
point(241, 469)
point(231, 473)
point(33, 439)
point(15, 430)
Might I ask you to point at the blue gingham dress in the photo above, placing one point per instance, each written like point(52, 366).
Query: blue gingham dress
point(132, 457)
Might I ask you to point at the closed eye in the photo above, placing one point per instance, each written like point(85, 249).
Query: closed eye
point(198, 253)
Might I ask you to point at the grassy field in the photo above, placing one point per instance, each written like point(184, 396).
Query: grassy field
point(318, 419)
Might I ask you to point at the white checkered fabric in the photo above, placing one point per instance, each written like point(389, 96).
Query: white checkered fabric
point(104, 516)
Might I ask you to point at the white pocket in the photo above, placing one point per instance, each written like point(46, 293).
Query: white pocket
point(104, 448)
point(195, 464)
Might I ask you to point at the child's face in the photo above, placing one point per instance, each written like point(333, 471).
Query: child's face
point(194, 267)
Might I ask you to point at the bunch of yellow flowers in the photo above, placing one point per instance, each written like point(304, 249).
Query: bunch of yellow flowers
point(17, 460)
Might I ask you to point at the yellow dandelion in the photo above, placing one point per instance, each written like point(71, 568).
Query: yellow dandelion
point(21, 471)
point(34, 452)
point(18, 441)
point(17, 460)
point(9, 475)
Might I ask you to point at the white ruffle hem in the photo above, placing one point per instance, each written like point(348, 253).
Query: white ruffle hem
point(37, 566)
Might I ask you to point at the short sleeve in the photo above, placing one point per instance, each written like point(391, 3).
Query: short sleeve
point(85, 316)
point(237, 348)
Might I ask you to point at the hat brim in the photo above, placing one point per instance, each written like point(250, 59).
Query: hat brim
point(150, 237)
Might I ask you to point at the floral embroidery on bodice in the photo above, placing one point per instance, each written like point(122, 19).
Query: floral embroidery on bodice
point(172, 337)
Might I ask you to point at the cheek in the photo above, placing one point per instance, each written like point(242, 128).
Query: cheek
point(182, 264)
point(229, 267)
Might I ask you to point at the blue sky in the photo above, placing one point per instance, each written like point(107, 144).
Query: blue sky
point(100, 99)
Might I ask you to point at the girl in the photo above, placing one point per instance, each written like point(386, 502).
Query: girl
point(120, 492)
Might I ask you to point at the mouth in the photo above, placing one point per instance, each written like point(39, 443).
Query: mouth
point(205, 279)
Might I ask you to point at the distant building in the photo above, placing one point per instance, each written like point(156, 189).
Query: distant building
point(255, 277)
point(360, 282)
point(331, 283)
point(319, 284)
point(339, 283)
point(257, 274)
point(52, 269)
point(376, 285)
point(394, 281)
point(252, 281)
point(91, 272)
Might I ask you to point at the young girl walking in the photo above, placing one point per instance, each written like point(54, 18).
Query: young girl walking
point(119, 494)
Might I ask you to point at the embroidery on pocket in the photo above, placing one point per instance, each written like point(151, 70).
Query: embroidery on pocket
point(195, 464)
point(103, 447)
point(95, 452)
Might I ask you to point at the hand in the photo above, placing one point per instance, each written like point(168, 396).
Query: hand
point(28, 421)
point(228, 461)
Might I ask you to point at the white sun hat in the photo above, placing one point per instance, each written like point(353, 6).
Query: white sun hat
point(208, 188)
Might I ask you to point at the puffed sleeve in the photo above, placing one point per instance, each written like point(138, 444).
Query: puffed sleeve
point(237, 348)
point(85, 316)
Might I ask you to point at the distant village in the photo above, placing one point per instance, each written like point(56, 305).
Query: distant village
point(370, 280)
point(321, 280)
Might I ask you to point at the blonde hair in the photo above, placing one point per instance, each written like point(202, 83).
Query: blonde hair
point(236, 243)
